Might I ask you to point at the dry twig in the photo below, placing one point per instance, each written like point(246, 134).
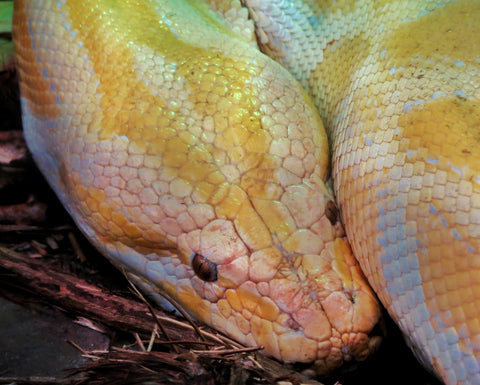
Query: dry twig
point(219, 365)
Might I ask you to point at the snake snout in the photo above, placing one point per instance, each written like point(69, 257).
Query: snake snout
point(289, 283)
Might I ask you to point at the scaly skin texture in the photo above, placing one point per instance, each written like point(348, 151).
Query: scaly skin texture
point(176, 145)
point(398, 86)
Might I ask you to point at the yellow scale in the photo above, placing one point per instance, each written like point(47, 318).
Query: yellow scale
point(200, 166)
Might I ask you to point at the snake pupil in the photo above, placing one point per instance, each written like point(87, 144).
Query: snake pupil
point(331, 211)
point(205, 269)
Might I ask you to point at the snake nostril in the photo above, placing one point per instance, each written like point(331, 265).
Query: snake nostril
point(294, 325)
point(331, 211)
point(204, 268)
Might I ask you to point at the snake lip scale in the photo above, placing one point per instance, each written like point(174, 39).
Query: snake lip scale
point(200, 166)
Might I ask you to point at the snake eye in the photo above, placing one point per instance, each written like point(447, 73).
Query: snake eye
point(331, 211)
point(204, 268)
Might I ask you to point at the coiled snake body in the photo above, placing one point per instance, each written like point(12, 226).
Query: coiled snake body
point(199, 166)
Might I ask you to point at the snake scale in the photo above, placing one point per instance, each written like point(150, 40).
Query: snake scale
point(200, 166)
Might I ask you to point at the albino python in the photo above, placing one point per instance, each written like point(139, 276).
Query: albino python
point(198, 165)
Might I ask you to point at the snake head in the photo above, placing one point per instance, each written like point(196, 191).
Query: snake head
point(280, 275)
point(198, 166)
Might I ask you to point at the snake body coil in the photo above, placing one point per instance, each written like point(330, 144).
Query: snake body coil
point(199, 166)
